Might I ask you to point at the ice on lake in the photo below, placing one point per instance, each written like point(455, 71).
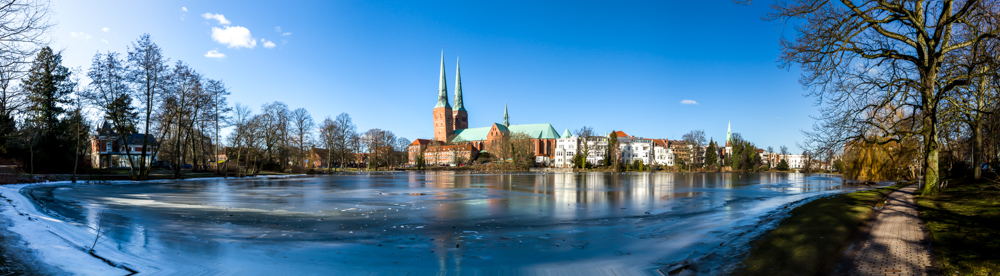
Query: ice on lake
point(424, 223)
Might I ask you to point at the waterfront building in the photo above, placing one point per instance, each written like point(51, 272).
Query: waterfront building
point(662, 154)
point(451, 128)
point(634, 149)
point(109, 149)
point(568, 146)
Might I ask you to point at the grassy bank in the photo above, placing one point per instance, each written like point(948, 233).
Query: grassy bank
point(813, 235)
point(964, 222)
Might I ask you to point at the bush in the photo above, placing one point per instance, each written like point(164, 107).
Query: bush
point(782, 166)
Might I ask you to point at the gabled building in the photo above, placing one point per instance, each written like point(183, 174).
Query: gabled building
point(108, 149)
point(451, 127)
point(569, 146)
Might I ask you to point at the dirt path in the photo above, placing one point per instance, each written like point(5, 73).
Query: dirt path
point(896, 243)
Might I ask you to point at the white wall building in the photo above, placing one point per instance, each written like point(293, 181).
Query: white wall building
point(662, 154)
point(795, 161)
point(568, 146)
point(634, 148)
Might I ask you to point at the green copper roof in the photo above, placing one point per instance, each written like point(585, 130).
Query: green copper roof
point(537, 131)
point(729, 132)
point(442, 87)
point(458, 86)
point(471, 134)
point(566, 134)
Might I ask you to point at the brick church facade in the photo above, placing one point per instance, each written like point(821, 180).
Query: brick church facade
point(454, 140)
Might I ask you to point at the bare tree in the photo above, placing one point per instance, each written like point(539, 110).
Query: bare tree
point(275, 121)
point(345, 134)
point(584, 133)
point(184, 101)
point(149, 72)
point(220, 108)
point(110, 93)
point(101, 228)
point(328, 137)
point(238, 138)
point(868, 57)
point(696, 139)
point(303, 125)
point(23, 24)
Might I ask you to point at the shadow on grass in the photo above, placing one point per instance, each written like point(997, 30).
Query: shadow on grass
point(964, 222)
point(813, 235)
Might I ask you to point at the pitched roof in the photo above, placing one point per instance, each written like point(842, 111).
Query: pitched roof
point(536, 131)
point(620, 134)
point(566, 134)
point(471, 134)
point(661, 142)
point(420, 142)
point(135, 139)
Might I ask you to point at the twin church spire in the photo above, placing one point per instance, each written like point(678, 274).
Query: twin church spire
point(446, 118)
point(443, 87)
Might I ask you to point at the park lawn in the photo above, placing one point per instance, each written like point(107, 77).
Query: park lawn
point(964, 223)
point(813, 235)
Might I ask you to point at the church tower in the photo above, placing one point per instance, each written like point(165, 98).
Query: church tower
point(506, 119)
point(443, 125)
point(460, 116)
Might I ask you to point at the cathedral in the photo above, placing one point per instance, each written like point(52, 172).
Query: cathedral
point(454, 140)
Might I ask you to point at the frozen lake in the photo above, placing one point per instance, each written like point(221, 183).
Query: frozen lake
point(419, 224)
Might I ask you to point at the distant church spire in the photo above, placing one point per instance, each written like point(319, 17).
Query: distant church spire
point(458, 86)
point(729, 132)
point(506, 120)
point(442, 87)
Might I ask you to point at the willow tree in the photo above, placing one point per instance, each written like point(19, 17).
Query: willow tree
point(873, 56)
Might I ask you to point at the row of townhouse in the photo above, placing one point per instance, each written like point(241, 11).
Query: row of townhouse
point(630, 149)
point(795, 161)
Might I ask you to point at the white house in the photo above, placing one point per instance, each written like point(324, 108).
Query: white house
point(568, 146)
point(635, 148)
point(662, 154)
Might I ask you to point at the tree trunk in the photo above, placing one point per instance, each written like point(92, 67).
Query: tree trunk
point(977, 148)
point(931, 168)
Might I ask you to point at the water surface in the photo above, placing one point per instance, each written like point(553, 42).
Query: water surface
point(417, 223)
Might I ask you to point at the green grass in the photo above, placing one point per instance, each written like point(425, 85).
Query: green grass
point(964, 221)
point(813, 235)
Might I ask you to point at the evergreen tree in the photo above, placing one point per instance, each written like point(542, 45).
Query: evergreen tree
point(711, 154)
point(782, 165)
point(47, 85)
point(49, 139)
point(612, 152)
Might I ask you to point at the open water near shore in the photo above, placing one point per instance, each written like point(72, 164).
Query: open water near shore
point(427, 223)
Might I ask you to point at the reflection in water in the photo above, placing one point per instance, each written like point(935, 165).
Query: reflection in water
point(444, 221)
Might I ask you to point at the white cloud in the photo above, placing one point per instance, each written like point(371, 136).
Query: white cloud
point(277, 29)
point(105, 29)
point(184, 9)
point(689, 102)
point(234, 37)
point(105, 41)
point(268, 44)
point(80, 35)
point(214, 54)
point(288, 33)
point(221, 18)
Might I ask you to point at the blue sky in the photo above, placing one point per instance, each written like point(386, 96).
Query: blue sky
point(623, 66)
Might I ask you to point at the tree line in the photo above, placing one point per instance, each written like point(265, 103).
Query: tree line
point(158, 108)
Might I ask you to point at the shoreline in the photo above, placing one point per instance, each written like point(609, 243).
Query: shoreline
point(71, 239)
point(62, 246)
